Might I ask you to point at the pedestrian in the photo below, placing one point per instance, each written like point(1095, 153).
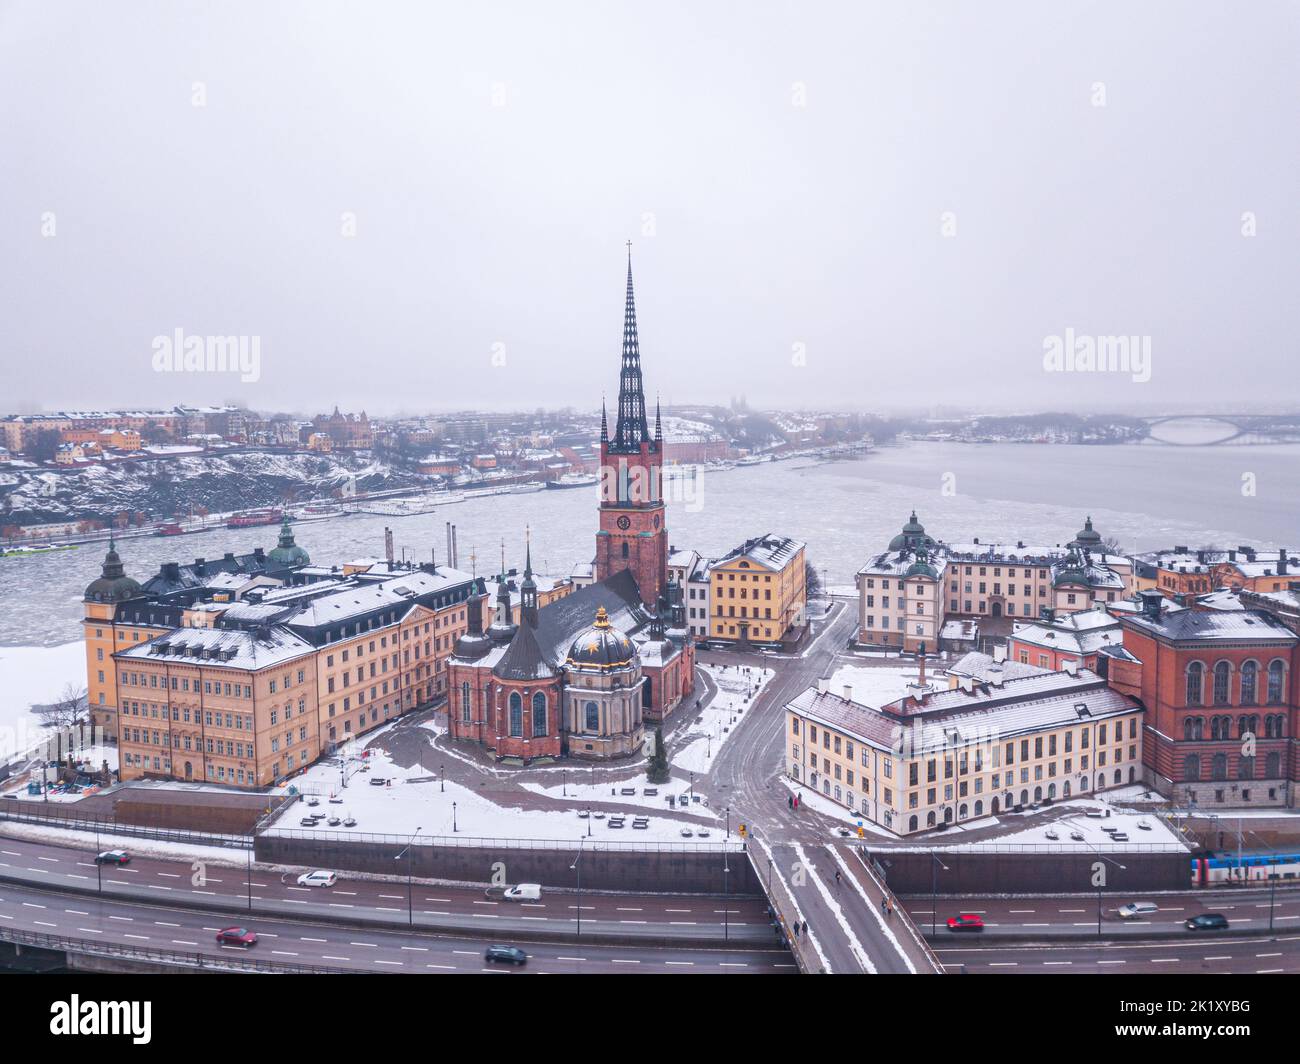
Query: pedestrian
point(790, 800)
point(837, 877)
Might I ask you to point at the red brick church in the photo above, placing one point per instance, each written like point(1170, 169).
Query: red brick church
point(584, 676)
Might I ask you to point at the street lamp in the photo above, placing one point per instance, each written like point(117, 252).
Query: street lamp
point(99, 868)
point(1121, 867)
point(249, 851)
point(442, 779)
point(454, 828)
point(728, 823)
point(726, 894)
point(934, 891)
point(406, 852)
point(588, 820)
point(577, 867)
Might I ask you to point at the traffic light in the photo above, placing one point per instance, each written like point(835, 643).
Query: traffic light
point(742, 831)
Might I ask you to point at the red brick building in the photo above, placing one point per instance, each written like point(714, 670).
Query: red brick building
point(1221, 704)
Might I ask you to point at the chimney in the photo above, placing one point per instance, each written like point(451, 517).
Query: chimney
point(920, 680)
point(1071, 667)
point(1232, 555)
point(967, 684)
point(848, 692)
point(1000, 652)
point(259, 553)
point(200, 566)
point(1151, 603)
point(1282, 561)
point(388, 547)
point(823, 685)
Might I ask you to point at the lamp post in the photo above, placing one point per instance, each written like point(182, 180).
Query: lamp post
point(728, 808)
point(1121, 867)
point(726, 895)
point(442, 779)
point(588, 820)
point(99, 868)
point(934, 891)
point(454, 828)
point(577, 867)
point(406, 852)
point(250, 877)
point(564, 782)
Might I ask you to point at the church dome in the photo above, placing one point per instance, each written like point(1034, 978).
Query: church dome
point(1087, 536)
point(287, 552)
point(601, 647)
point(912, 536)
point(113, 584)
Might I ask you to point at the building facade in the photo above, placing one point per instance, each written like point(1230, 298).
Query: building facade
point(943, 757)
point(758, 591)
point(1219, 688)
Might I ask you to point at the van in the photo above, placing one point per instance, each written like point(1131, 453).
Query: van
point(1135, 910)
point(523, 892)
point(1097, 814)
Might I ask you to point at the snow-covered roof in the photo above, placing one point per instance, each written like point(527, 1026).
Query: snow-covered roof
point(224, 648)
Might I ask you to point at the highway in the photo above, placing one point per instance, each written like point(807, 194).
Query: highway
point(304, 942)
point(1077, 915)
point(361, 902)
point(1206, 952)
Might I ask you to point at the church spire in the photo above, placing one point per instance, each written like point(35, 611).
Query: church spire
point(604, 422)
point(630, 429)
point(659, 425)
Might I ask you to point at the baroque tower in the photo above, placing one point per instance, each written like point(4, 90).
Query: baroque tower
point(633, 532)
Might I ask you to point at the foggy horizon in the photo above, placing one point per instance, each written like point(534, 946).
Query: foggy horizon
point(830, 208)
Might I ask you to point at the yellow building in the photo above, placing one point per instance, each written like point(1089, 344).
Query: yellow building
point(945, 756)
point(757, 593)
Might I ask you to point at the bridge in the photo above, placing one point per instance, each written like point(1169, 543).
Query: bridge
point(1278, 428)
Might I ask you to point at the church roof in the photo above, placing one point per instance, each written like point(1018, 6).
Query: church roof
point(523, 659)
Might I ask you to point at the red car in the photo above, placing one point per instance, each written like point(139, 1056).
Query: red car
point(966, 922)
point(237, 936)
point(117, 857)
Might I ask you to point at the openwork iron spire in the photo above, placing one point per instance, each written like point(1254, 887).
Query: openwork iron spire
point(631, 427)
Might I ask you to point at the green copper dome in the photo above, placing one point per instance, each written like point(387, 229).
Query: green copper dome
point(287, 552)
point(113, 584)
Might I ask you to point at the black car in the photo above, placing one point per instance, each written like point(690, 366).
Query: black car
point(1207, 922)
point(505, 954)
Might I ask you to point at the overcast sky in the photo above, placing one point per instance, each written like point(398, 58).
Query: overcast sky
point(783, 171)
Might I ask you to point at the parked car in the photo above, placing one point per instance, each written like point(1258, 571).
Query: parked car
point(309, 821)
point(1118, 836)
point(1144, 824)
point(966, 922)
point(350, 822)
point(1135, 910)
point(237, 936)
point(1053, 834)
point(505, 955)
point(313, 801)
point(113, 857)
point(1077, 836)
point(1207, 922)
point(319, 878)
point(334, 821)
point(1097, 814)
point(378, 781)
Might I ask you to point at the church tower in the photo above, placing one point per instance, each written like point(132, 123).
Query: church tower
point(633, 534)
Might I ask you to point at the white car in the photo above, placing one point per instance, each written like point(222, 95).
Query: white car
point(1145, 825)
point(1052, 834)
point(318, 879)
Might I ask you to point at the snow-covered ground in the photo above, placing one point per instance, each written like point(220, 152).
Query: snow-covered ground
point(1158, 835)
point(34, 675)
point(874, 687)
point(577, 793)
point(407, 805)
point(695, 747)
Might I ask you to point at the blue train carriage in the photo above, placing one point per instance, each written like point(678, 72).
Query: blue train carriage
point(1214, 868)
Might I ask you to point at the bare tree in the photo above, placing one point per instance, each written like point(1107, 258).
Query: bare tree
point(68, 709)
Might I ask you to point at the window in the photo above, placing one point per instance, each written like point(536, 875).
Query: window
point(1276, 674)
point(1222, 673)
point(1195, 677)
point(464, 702)
point(1249, 683)
point(593, 717)
point(539, 714)
point(516, 715)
